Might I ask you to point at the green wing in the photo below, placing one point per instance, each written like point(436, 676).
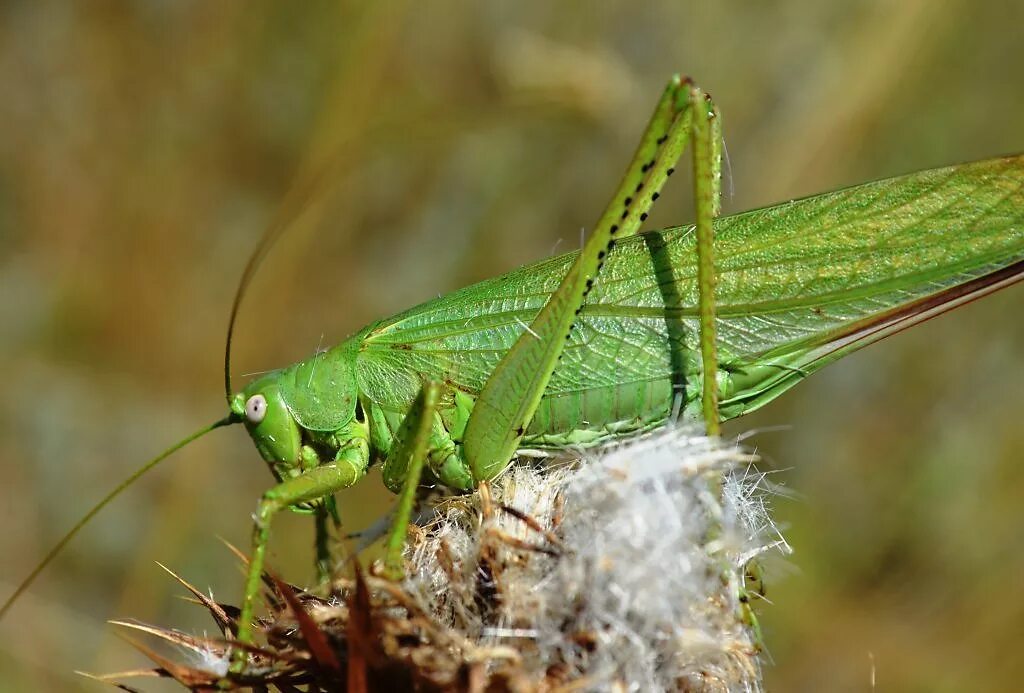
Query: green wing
point(806, 283)
point(799, 285)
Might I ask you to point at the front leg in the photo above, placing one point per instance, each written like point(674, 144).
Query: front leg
point(315, 484)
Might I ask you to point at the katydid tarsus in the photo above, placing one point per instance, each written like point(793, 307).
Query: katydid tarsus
point(591, 347)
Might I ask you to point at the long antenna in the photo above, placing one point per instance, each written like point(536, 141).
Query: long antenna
point(300, 200)
point(268, 239)
point(227, 420)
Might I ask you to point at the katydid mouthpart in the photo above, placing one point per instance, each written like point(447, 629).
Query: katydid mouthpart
point(632, 332)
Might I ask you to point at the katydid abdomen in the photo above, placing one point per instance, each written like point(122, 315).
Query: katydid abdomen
point(800, 285)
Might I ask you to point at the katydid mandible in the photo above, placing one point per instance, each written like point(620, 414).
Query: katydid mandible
point(610, 342)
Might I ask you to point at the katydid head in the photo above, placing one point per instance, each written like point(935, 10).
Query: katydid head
point(270, 423)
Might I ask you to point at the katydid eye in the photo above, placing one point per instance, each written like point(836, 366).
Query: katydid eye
point(256, 408)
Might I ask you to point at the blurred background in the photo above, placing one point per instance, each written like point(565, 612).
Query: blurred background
point(146, 146)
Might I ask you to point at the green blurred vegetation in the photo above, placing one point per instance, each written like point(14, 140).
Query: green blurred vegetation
point(144, 148)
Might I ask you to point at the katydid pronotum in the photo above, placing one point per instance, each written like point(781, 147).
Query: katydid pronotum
point(621, 337)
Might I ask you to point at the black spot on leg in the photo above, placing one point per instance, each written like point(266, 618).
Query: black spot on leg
point(625, 213)
point(614, 228)
point(590, 284)
point(670, 171)
point(655, 196)
point(663, 139)
point(628, 201)
point(643, 217)
point(639, 187)
point(520, 431)
point(600, 256)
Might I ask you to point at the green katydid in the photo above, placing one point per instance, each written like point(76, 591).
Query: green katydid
point(615, 340)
